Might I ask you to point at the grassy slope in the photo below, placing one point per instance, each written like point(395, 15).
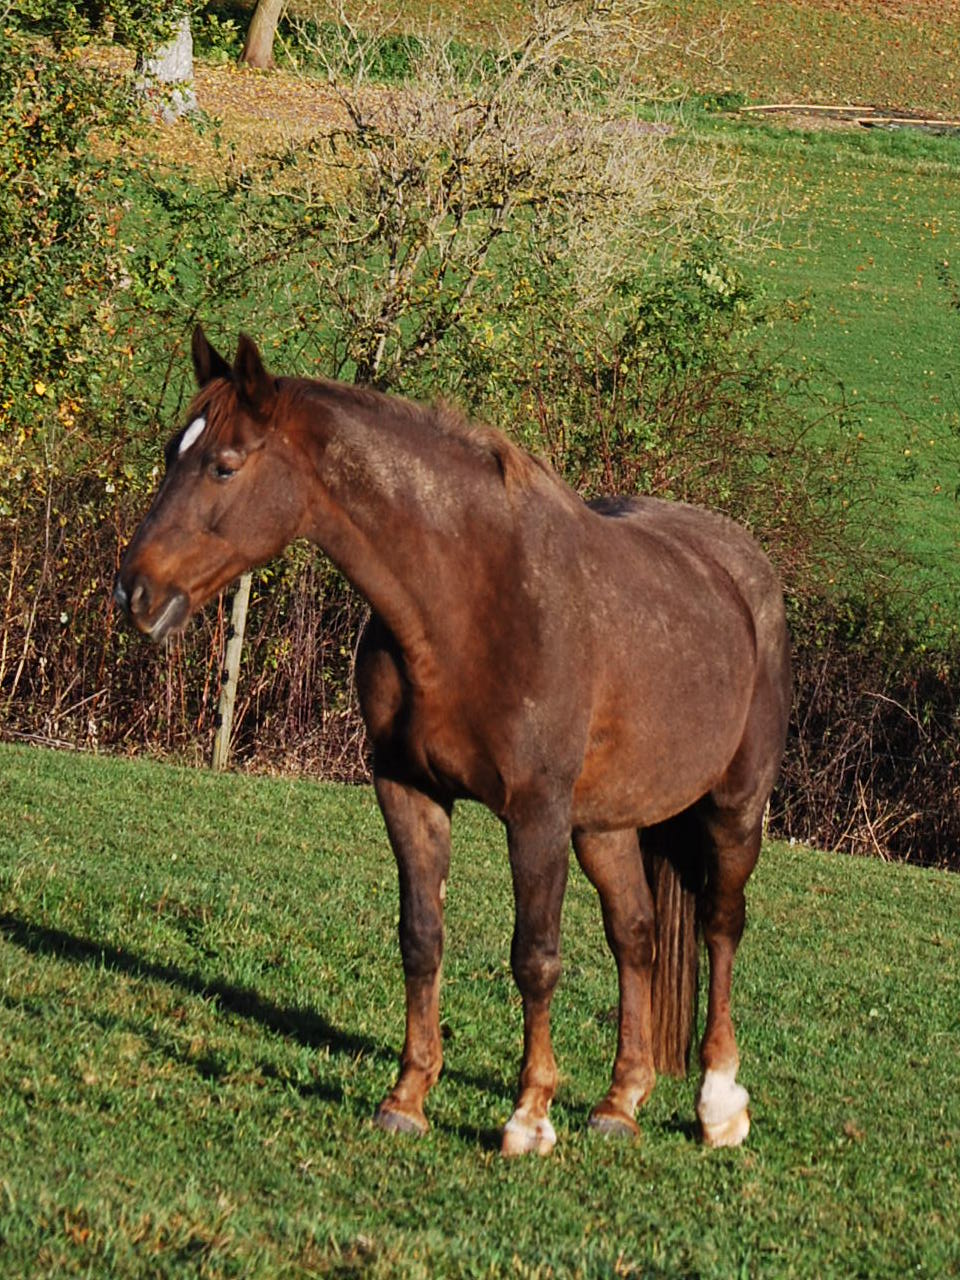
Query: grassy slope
point(872, 222)
point(201, 1005)
point(869, 52)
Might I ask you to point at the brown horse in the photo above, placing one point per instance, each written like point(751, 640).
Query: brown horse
point(615, 674)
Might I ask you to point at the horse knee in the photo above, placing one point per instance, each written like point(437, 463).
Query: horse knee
point(421, 947)
point(536, 970)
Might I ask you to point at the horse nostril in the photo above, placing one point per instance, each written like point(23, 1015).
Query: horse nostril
point(140, 597)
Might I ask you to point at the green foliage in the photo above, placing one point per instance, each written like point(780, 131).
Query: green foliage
point(387, 59)
point(721, 100)
point(74, 315)
point(140, 24)
point(540, 254)
point(203, 1004)
point(64, 273)
point(56, 253)
point(395, 57)
point(219, 38)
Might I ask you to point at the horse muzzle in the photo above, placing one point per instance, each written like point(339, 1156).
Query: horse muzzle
point(155, 612)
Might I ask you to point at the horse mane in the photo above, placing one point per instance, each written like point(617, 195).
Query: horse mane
point(519, 470)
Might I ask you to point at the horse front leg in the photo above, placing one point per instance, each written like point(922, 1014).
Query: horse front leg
point(539, 856)
point(419, 829)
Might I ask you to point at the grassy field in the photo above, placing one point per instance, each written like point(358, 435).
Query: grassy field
point(202, 1004)
point(862, 51)
point(870, 243)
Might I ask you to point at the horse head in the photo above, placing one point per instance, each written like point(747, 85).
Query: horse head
point(230, 497)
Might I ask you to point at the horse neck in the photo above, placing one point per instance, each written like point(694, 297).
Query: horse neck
point(392, 503)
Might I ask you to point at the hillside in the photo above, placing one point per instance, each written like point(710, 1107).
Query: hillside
point(864, 225)
point(879, 52)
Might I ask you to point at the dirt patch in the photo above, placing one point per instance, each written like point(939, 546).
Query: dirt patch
point(252, 111)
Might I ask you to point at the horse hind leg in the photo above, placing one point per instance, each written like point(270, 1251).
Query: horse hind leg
point(732, 817)
point(613, 864)
point(732, 848)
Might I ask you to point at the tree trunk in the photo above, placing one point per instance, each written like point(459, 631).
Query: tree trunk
point(165, 78)
point(258, 50)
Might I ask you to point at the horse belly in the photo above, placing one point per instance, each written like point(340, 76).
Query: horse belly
point(653, 751)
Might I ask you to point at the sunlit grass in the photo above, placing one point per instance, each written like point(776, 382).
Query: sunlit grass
point(773, 50)
point(202, 1004)
point(871, 243)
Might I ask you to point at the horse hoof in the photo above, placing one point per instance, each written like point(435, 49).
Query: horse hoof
point(722, 1110)
point(613, 1124)
point(394, 1121)
point(721, 1107)
point(729, 1133)
point(523, 1136)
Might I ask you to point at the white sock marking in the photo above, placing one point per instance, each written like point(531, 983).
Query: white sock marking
point(720, 1097)
point(522, 1124)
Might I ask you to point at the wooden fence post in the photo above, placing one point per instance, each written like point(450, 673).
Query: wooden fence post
point(231, 668)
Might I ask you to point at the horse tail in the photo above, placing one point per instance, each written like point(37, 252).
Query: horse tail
point(674, 885)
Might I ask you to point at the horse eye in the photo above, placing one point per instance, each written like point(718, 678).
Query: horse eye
point(223, 471)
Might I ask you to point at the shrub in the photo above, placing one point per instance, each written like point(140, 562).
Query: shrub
point(504, 229)
point(873, 758)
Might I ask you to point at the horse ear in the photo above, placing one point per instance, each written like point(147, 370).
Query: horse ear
point(254, 385)
point(207, 363)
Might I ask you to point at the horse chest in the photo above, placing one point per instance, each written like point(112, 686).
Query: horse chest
point(419, 729)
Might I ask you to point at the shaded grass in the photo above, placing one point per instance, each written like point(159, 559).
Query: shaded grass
point(201, 1005)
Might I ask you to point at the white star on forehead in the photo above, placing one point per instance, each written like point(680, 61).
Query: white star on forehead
point(190, 435)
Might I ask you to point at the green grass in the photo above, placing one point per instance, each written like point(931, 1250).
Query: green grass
point(202, 1004)
point(870, 242)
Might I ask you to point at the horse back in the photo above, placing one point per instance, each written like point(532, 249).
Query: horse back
point(714, 540)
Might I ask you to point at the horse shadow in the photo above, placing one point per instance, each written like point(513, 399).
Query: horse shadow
point(302, 1025)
